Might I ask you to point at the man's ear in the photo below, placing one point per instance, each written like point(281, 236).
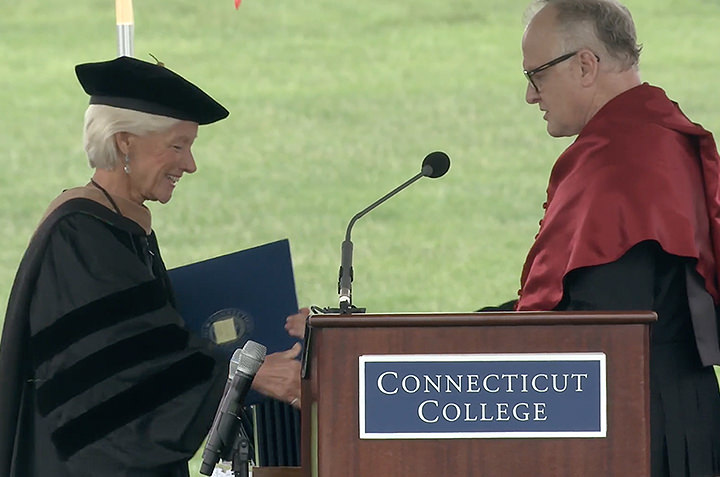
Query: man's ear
point(589, 67)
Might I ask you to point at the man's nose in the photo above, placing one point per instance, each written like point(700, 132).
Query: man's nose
point(531, 94)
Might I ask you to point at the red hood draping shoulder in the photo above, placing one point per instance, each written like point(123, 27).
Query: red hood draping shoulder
point(639, 170)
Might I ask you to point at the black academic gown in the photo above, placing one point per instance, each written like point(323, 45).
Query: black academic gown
point(98, 376)
point(684, 396)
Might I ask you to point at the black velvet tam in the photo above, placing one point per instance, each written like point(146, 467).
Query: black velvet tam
point(130, 83)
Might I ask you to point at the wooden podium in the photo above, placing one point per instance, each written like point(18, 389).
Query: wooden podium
point(331, 443)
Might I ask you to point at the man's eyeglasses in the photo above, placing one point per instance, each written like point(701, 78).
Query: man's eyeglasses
point(529, 74)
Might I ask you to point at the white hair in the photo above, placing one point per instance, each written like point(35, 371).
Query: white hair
point(102, 122)
point(601, 25)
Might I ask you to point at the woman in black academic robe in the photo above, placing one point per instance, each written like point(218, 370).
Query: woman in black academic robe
point(98, 375)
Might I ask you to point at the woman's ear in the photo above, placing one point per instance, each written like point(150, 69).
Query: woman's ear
point(122, 142)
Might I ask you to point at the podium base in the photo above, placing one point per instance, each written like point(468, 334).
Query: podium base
point(275, 472)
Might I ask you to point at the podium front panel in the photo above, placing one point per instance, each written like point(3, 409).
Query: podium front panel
point(331, 431)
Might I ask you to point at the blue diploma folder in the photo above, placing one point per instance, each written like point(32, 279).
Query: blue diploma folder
point(240, 296)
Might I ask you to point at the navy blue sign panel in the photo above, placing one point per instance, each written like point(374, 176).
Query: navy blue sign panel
point(525, 395)
point(240, 296)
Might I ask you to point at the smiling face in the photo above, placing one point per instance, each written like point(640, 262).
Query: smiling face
point(158, 161)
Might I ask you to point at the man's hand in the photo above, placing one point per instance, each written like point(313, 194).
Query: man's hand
point(295, 324)
point(279, 376)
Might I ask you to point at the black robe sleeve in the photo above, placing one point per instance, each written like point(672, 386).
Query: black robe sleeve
point(645, 278)
point(626, 284)
point(118, 385)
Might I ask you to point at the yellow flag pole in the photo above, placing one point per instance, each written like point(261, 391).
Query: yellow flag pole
point(125, 25)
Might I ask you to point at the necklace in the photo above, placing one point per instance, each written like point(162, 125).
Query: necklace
point(107, 196)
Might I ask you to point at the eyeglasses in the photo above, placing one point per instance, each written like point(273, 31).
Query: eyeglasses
point(529, 74)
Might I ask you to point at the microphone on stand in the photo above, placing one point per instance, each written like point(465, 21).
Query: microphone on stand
point(227, 424)
point(234, 363)
point(435, 164)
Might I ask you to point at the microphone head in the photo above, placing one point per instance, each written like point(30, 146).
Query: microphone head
point(435, 164)
point(252, 357)
point(234, 362)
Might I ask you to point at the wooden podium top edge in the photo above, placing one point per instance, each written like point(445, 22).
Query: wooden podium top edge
point(482, 319)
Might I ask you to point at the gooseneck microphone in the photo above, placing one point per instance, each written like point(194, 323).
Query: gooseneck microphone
point(435, 164)
point(227, 424)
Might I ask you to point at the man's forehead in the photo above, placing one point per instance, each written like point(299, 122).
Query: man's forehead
point(540, 37)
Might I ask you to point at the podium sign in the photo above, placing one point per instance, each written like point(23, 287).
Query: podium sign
point(460, 396)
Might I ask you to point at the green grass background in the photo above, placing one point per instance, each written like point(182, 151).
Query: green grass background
point(333, 103)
